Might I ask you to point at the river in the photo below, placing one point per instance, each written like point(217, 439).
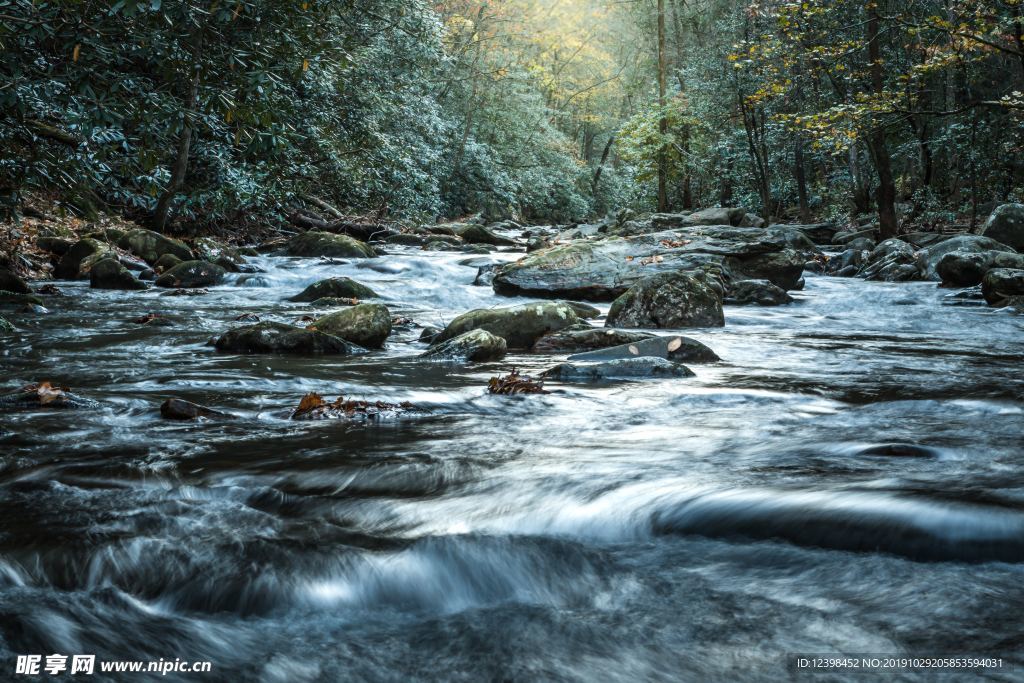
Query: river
point(848, 479)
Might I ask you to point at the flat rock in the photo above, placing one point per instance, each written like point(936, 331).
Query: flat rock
point(628, 368)
point(274, 337)
point(588, 339)
point(670, 347)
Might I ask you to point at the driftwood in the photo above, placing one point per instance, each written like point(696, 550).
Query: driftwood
point(361, 231)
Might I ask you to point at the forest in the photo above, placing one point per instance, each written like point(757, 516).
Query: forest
point(511, 340)
point(190, 115)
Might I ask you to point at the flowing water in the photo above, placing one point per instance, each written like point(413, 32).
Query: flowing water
point(703, 529)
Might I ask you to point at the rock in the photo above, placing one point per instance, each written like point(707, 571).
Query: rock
point(751, 220)
point(6, 327)
point(584, 311)
point(274, 337)
point(335, 288)
point(1002, 284)
point(711, 216)
point(1006, 225)
point(862, 244)
point(602, 269)
point(429, 333)
point(179, 409)
point(43, 396)
point(819, 233)
point(10, 282)
point(110, 274)
point(670, 347)
point(537, 243)
point(19, 299)
point(846, 237)
point(75, 263)
point(191, 275)
point(333, 302)
point(150, 246)
point(892, 261)
point(590, 338)
point(476, 345)
point(422, 239)
point(478, 234)
point(671, 300)
point(967, 269)
point(760, 292)
point(520, 326)
point(166, 262)
point(485, 275)
point(315, 243)
point(646, 367)
point(367, 325)
point(55, 245)
point(928, 259)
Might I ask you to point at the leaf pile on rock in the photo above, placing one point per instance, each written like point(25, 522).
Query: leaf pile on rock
point(514, 383)
point(314, 407)
point(41, 395)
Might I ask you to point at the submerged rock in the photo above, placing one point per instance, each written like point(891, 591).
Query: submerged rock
point(1001, 285)
point(760, 292)
point(587, 339)
point(335, 288)
point(19, 299)
point(476, 345)
point(191, 275)
point(43, 396)
point(314, 407)
point(150, 246)
point(1006, 225)
point(368, 325)
point(646, 367)
point(180, 409)
point(6, 327)
point(670, 300)
point(110, 274)
point(274, 337)
point(671, 347)
point(520, 326)
point(315, 243)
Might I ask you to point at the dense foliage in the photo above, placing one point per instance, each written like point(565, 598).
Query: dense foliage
point(199, 112)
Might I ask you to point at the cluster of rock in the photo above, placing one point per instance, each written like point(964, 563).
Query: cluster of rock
point(991, 259)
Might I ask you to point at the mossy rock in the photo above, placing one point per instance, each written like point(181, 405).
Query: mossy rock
point(335, 288)
point(314, 243)
point(368, 325)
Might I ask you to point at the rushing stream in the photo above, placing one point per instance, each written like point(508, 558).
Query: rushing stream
point(700, 529)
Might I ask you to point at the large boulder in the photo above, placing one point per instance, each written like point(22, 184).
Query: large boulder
point(476, 345)
point(314, 243)
point(191, 275)
point(645, 367)
point(150, 246)
point(760, 292)
point(368, 325)
point(478, 234)
point(80, 257)
point(673, 300)
point(587, 339)
point(967, 269)
point(1006, 225)
point(1002, 284)
point(893, 260)
point(335, 288)
point(110, 274)
point(602, 269)
point(274, 337)
point(671, 347)
point(520, 326)
point(928, 259)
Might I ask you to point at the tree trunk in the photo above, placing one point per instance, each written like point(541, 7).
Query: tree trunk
point(600, 166)
point(663, 123)
point(801, 179)
point(885, 195)
point(163, 205)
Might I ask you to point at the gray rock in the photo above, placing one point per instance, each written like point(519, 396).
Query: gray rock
point(760, 292)
point(368, 325)
point(646, 367)
point(476, 345)
point(1006, 225)
point(80, 257)
point(478, 234)
point(1002, 284)
point(274, 337)
point(314, 243)
point(587, 338)
point(335, 288)
point(671, 347)
point(928, 259)
point(520, 326)
point(671, 300)
point(967, 269)
point(180, 409)
point(191, 275)
point(110, 274)
point(150, 246)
